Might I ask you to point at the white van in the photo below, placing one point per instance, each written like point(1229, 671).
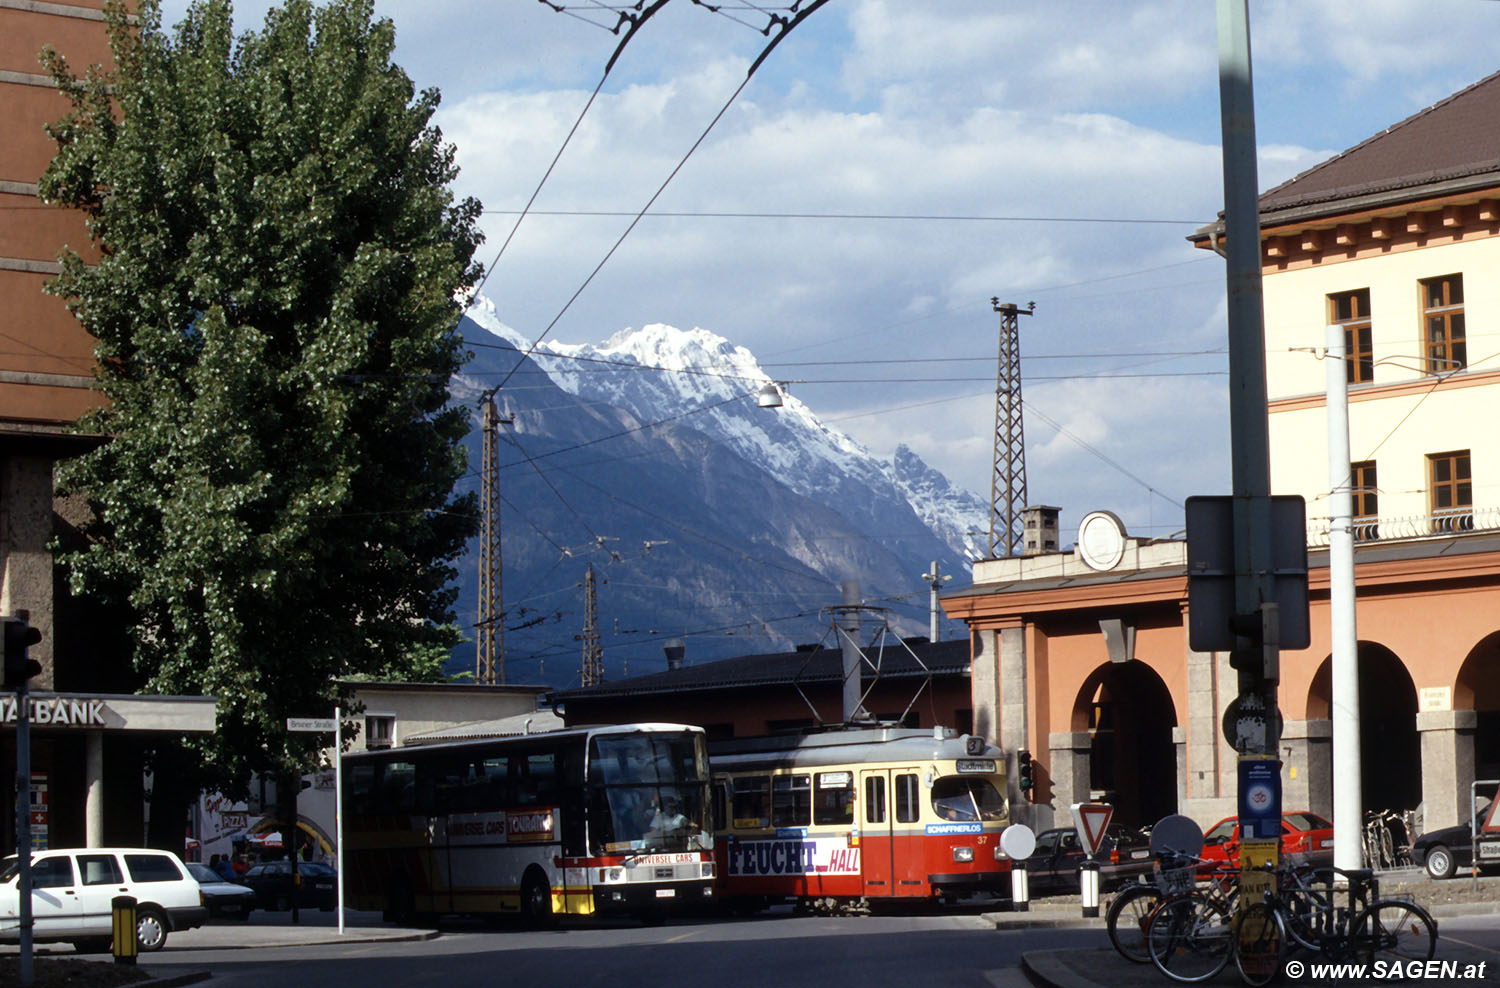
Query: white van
point(72, 889)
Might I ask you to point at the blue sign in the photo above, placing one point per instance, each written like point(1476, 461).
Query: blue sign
point(1260, 799)
point(954, 828)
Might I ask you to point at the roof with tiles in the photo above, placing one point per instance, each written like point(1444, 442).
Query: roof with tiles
point(1451, 146)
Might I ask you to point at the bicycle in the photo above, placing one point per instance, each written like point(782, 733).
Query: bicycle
point(1190, 935)
point(1131, 908)
point(1369, 928)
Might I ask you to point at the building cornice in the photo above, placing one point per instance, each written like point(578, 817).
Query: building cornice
point(1400, 389)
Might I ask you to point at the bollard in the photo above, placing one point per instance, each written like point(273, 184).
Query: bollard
point(1019, 892)
point(1088, 888)
point(122, 914)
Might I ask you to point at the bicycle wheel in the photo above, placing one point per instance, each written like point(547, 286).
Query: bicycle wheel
point(1392, 930)
point(1189, 937)
point(1126, 919)
point(1310, 914)
point(1260, 944)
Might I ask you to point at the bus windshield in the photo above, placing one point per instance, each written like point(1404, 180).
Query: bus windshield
point(648, 793)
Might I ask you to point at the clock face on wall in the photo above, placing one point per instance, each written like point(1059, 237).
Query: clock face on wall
point(1101, 540)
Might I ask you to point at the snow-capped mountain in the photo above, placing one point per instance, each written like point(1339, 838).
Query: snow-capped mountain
point(713, 518)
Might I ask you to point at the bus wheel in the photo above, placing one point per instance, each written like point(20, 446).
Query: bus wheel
point(536, 898)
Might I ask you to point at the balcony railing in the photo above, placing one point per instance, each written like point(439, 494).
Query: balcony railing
point(1451, 522)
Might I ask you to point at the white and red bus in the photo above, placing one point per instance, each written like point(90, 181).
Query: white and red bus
point(605, 820)
point(877, 814)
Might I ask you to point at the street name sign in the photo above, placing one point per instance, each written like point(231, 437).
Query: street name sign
point(309, 725)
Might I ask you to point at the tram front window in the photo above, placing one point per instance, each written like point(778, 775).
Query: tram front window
point(965, 798)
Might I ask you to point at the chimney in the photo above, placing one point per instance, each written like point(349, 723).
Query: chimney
point(1041, 529)
point(675, 649)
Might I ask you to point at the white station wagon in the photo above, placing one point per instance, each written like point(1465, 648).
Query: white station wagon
point(72, 891)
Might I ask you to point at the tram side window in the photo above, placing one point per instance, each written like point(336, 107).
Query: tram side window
point(908, 805)
point(752, 802)
point(833, 798)
point(875, 799)
point(791, 801)
point(721, 804)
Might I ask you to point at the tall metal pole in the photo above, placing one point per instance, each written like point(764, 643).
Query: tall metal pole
point(1348, 800)
point(592, 670)
point(849, 641)
point(1008, 479)
point(23, 825)
point(1257, 644)
point(490, 642)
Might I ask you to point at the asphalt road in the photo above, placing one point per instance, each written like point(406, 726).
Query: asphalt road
point(773, 950)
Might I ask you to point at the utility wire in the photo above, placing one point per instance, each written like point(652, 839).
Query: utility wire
point(787, 26)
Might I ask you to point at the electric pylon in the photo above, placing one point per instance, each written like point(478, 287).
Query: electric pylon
point(490, 641)
point(593, 656)
point(1008, 481)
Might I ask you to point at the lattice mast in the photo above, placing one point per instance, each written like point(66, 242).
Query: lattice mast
point(592, 671)
point(1008, 481)
point(490, 642)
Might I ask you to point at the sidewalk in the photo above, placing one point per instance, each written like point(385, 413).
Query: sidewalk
point(1103, 967)
point(265, 929)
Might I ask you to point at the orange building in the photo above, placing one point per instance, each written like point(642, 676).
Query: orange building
point(1083, 657)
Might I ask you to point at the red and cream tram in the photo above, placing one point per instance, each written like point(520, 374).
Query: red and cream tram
point(877, 814)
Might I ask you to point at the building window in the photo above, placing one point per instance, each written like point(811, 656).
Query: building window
point(380, 732)
point(1452, 489)
point(1366, 500)
point(1443, 321)
point(1352, 311)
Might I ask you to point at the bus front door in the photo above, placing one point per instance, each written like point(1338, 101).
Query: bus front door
point(890, 833)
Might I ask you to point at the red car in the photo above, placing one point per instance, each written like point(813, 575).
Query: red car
point(1301, 833)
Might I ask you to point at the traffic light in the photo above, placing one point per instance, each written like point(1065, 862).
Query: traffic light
point(19, 636)
point(1023, 772)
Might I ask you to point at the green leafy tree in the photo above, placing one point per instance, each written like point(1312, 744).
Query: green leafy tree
point(276, 324)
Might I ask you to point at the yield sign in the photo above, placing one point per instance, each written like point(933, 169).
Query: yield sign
point(1091, 819)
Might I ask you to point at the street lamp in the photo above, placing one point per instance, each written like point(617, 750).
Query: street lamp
point(935, 581)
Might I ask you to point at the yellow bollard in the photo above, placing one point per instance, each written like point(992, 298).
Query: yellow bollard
point(122, 913)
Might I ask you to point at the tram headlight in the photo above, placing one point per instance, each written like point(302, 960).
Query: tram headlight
point(1000, 855)
point(963, 854)
point(611, 876)
point(707, 869)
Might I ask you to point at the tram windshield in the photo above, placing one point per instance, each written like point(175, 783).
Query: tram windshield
point(957, 797)
point(648, 793)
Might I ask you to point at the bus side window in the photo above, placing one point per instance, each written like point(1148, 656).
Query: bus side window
point(908, 806)
point(875, 799)
point(791, 801)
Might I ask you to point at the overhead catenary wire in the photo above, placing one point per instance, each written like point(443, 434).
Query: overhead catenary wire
point(787, 26)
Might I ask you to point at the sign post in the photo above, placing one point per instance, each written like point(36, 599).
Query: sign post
point(1017, 841)
point(317, 725)
point(1091, 820)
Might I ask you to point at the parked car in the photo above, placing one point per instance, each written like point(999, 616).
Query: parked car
point(1052, 869)
point(222, 897)
point(272, 883)
point(72, 892)
point(1443, 851)
point(1302, 833)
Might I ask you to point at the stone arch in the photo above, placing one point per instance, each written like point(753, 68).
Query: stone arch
point(1128, 711)
point(1477, 688)
point(1390, 748)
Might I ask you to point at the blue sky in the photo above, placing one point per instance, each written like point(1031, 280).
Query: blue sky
point(1075, 143)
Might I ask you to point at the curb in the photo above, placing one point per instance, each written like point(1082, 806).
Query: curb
point(1041, 967)
point(320, 940)
point(186, 978)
